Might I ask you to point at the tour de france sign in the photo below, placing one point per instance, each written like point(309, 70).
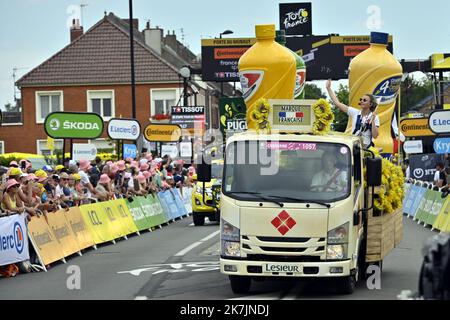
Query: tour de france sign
point(73, 125)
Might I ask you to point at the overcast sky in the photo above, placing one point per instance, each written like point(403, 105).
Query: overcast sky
point(33, 30)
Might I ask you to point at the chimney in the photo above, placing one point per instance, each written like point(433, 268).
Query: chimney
point(76, 30)
point(135, 23)
point(171, 41)
point(153, 37)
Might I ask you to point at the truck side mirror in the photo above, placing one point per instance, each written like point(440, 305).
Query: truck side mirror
point(373, 174)
point(204, 172)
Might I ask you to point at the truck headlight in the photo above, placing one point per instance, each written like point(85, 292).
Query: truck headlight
point(338, 235)
point(337, 251)
point(230, 239)
point(208, 191)
point(337, 242)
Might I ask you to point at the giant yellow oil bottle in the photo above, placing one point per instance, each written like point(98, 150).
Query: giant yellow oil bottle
point(376, 71)
point(266, 70)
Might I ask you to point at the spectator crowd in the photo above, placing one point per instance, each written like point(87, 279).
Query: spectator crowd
point(36, 191)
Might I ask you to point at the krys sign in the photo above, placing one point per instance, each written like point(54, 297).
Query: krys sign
point(73, 125)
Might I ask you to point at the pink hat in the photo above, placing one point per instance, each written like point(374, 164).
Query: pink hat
point(147, 174)
point(113, 168)
point(129, 159)
point(121, 166)
point(11, 183)
point(13, 164)
point(31, 176)
point(85, 164)
point(144, 167)
point(109, 163)
point(141, 177)
point(149, 157)
point(134, 164)
point(104, 179)
point(121, 162)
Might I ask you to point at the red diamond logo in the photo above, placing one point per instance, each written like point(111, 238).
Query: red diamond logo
point(283, 222)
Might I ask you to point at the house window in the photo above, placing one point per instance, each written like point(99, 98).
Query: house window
point(162, 100)
point(48, 102)
point(2, 147)
point(102, 103)
point(43, 149)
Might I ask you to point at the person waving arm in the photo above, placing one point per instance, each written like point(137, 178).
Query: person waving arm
point(337, 103)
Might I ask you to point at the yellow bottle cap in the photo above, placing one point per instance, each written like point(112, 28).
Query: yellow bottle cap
point(265, 31)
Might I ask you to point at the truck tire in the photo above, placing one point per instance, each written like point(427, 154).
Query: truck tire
point(346, 285)
point(199, 219)
point(240, 284)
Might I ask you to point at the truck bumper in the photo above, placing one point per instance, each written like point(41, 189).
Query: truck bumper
point(286, 269)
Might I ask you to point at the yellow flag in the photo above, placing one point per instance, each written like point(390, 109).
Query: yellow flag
point(50, 143)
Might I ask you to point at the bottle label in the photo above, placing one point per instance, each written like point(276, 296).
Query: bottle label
point(387, 90)
point(250, 82)
point(299, 81)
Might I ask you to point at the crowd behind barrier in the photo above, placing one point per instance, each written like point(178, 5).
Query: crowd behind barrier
point(51, 213)
point(427, 204)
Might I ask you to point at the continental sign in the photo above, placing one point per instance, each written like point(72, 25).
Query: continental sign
point(162, 132)
point(415, 127)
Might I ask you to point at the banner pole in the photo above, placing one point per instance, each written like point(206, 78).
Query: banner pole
point(71, 149)
point(63, 151)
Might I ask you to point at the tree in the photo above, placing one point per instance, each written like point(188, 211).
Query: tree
point(313, 92)
point(9, 107)
point(413, 91)
point(341, 118)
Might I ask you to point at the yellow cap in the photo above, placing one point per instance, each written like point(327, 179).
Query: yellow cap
point(265, 31)
point(41, 174)
point(15, 172)
point(76, 176)
point(59, 167)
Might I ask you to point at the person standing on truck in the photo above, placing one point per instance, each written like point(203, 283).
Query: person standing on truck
point(365, 122)
point(330, 178)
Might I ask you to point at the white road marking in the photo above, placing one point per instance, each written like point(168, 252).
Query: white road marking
point(141, 298)
point(187, 249)
point(196, 244)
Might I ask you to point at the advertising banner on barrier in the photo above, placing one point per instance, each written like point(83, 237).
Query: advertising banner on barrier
point(179, 202)
point(152, 211)
point(418, 201)
point(79, 228)
point(172, 204)
point(114, 222)
point(63, 233)
point(138, 214)
point(167, 201)
point(47, 247)
point(13, 240)
point(121, 210)
point(435, 209)
point(425, 205)
point(409, 199)
point(97, 223)
point(187, 200)
point(443, 216)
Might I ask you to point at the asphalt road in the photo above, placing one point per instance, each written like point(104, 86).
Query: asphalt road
point(180, 261)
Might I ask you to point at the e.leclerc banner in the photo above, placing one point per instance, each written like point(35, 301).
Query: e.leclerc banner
point(73, 125)
point(13, 240)
point(124, 129)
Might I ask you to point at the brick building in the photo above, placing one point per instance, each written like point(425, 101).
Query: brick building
point(92, 74)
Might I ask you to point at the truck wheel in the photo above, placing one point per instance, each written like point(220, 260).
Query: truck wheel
point(240, 284)
point(199, 219)
point(346, 285)
point(214, 217)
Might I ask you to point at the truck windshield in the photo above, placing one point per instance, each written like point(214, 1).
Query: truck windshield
point(301, 171)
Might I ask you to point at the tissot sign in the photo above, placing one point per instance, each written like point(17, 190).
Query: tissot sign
point(124, 129)
point(187, 117)
point(73, 125)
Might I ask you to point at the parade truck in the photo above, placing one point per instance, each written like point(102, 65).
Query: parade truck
point(299, 204)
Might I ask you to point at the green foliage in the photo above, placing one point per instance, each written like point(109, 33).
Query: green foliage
point(313, 92)
point(341, 118)
point(413, 91)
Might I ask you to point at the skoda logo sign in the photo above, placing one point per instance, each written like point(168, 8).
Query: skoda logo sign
point(418, 173)
point(54, 124)
point(19, 240)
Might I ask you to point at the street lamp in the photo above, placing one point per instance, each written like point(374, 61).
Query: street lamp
point(185, 72)
point(225, 32)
